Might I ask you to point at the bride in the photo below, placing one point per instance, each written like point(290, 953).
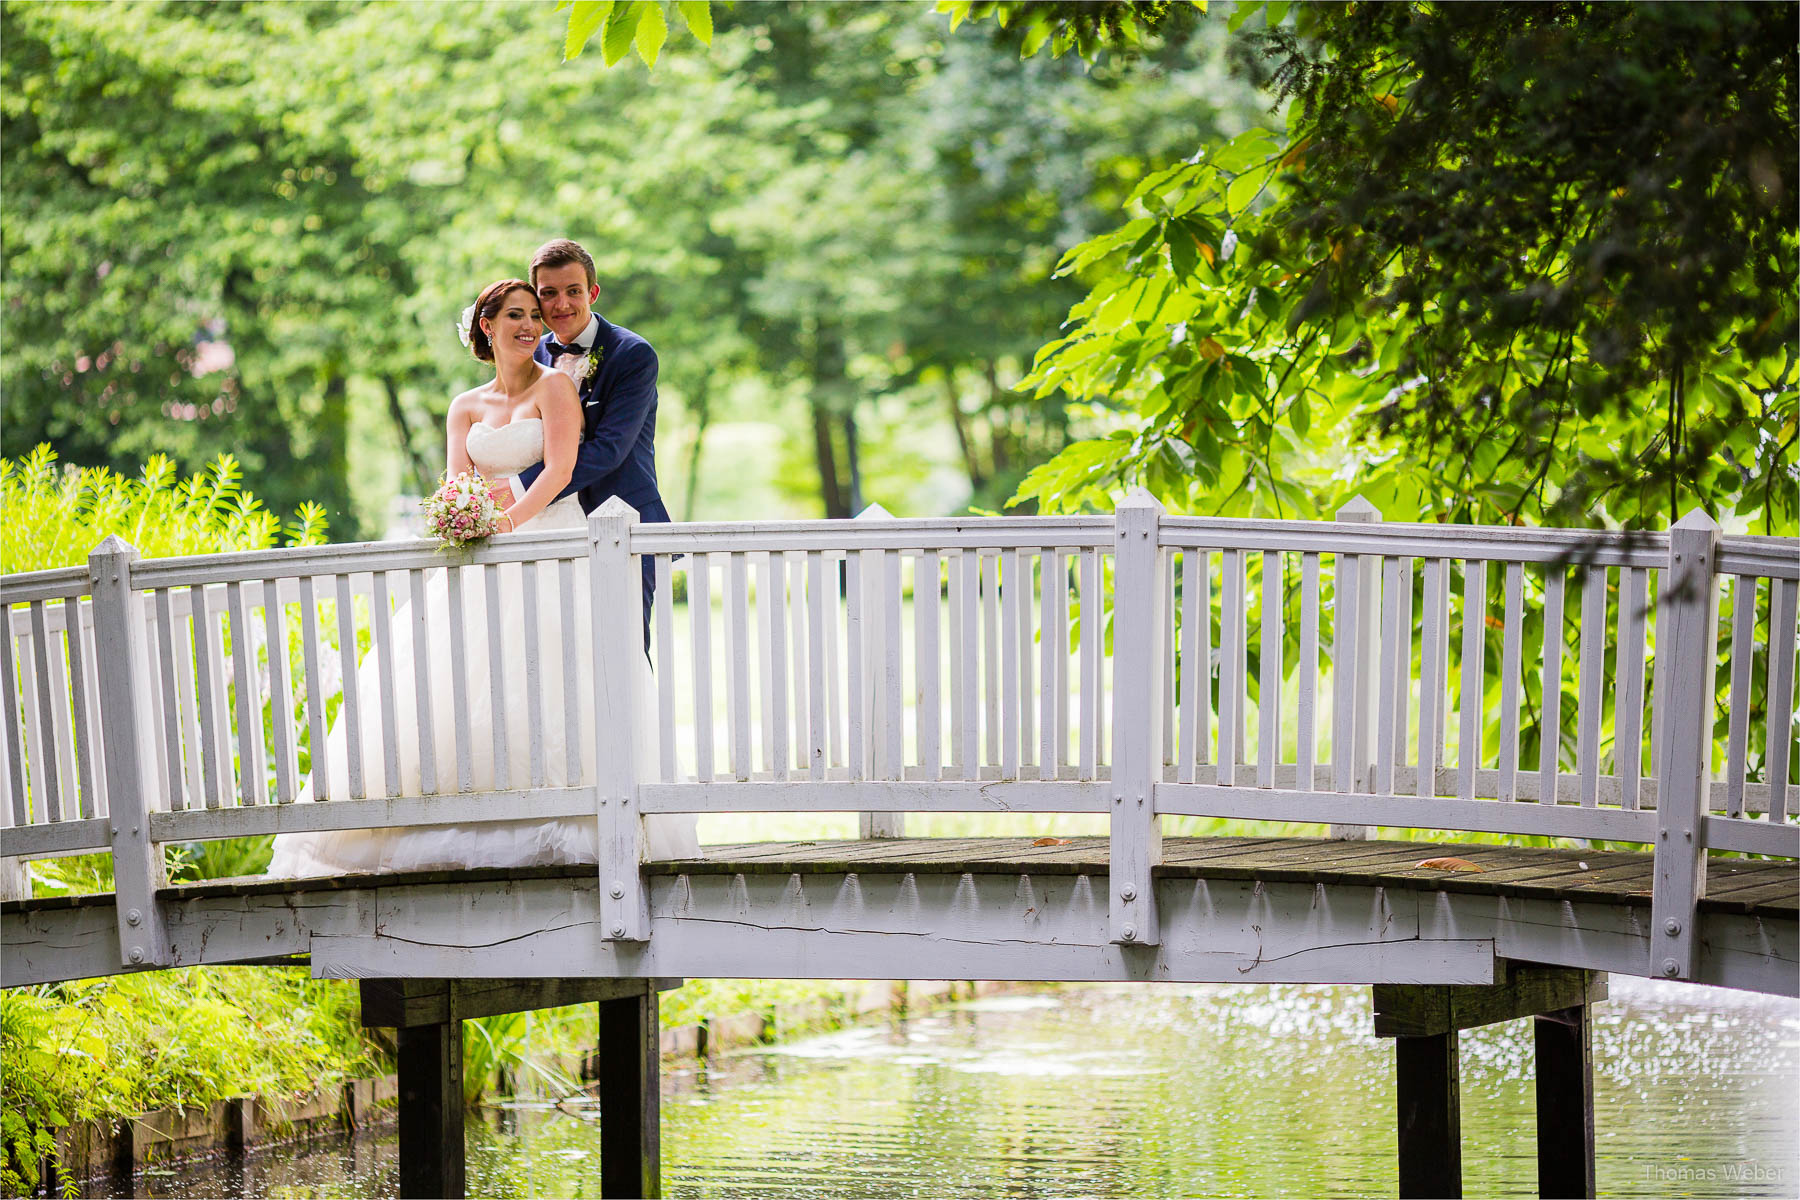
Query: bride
point(527, 413)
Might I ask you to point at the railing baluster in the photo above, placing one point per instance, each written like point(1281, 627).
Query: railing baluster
point(771, 592)
point(281, 693)
point(1550, 689)
point(737, 664)
point(1346, 582)
point(1434, 622)
point(990, 652)
point(1193, 669)
point(930, 736)
point(1058, 635)
point(1011, 651)
point(857, 689)
point(83, 713)
point(699, 593)
point(836, 609)
point(1628, 682)
point(1168, 606)
point(381, 617)
point(665, 672)
point(1306, 726)
point(1659, 686)
point(318, 753)
point(15, 748)
point(794, 565)
point(1587, 712)
point(1269, 672)
point(570, 649)
point(351, 713)
point(171, 710)
point(497, 706)
point(1508, 787)
point(1232, 620)
point(1402, 716)
point(1474, 676)
point(534, 675)
point(1395, 665)
point(209, 690)
point(459, 679)
point(1782, 597)
point(1093, 635)
point(1743, 652)
point(768, 619)
point(818, 624)
point(423, 651)
point(44, 762)
point(1022, 559)
point(251, 788)
point(961, 671)
point(1049, 676)
point(62, 723)
point(968, 573)
point(893, 686)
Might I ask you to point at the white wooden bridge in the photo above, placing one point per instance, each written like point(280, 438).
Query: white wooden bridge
point(1353, 674)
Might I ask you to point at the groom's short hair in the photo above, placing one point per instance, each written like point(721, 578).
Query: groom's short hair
point(560, 253)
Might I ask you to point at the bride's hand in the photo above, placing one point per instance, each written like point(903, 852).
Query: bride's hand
point(506, 525)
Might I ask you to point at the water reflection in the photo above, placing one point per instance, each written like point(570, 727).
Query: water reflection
point(1138, 1090)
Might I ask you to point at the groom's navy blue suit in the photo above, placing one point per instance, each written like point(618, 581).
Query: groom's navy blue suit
point(618, 435)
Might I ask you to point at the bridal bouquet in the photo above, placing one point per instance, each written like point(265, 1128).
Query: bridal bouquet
point(462, 511)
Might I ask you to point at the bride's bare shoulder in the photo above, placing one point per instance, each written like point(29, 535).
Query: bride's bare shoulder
point(469, 402)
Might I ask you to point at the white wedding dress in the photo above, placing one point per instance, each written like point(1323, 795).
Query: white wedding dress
point(505, 450)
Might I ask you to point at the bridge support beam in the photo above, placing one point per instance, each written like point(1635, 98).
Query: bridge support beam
point(1424, 1022)
point(427, 1015)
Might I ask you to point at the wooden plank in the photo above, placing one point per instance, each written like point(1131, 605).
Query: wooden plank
point(737, 664)
point(458, 637)
point(1743, 652)
point(1527, 990)
point(1593, 649)
point(423, 648)
point(1269, 673)
point(1628, 682)
point(1782, 612)
point(1433, 631)
point(1510, 699)
point(930, 727)
point(1550, 684)
point(406, 1003)
point(534, 679)
point(1474, 674)
point(281, 696)
point(497, 705)
point(1307, 733)
point(700, 626)
point(1232, 619)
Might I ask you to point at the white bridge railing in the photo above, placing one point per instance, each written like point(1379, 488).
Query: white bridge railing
point(1418, 676)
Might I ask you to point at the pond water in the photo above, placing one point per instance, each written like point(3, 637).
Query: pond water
point(1137, 1090)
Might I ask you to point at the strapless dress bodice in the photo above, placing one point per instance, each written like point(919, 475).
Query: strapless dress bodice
point(507, 449)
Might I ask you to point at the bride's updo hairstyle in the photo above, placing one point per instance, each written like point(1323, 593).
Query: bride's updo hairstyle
point(486, 306)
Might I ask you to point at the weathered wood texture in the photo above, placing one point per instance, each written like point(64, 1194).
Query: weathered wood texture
point(1428, 1100)
point(405, 1003)
point(1526, 990)
point(630, 1097)
point(431, 1110)
point(1564, 1053)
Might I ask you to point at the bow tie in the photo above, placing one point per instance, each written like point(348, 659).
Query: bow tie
point(556, 350)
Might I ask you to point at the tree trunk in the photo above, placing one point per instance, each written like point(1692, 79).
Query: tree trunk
point(835, 505)
point(421, 470)
point(850, 456)
point(960, 420)
point(702, 418)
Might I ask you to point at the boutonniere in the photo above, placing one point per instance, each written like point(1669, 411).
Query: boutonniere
point(590, 364)
point(580, 369)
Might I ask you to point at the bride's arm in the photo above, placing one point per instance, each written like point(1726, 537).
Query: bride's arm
point(560, 408)
point(456, 436)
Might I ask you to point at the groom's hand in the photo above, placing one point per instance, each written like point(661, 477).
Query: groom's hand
point(503, 493)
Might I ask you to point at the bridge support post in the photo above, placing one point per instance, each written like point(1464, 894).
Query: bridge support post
point(1140, 622)
point(1425, 1020)
point(431, 1110)
point(1565, 1102)
point(630, 1096)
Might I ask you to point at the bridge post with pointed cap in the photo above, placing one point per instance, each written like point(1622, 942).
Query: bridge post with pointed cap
point(1688, 602)
point(1140, 586)
point(125, 725)
point(880, 654)
point(1361, 599)
point(616, 613)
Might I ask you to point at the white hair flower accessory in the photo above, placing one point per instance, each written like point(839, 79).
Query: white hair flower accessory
point(462, 326)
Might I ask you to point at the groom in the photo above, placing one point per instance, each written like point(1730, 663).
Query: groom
point(615, 374)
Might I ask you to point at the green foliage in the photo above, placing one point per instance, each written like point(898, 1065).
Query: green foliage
point(1503, 266)
point(1084, 26)
point(625, 25)
point(57, 514)
point(132, 1043)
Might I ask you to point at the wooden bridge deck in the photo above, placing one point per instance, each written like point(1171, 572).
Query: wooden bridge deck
point(1243, 909)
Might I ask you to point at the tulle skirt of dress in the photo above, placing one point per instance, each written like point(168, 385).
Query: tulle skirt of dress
point(560, 647)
